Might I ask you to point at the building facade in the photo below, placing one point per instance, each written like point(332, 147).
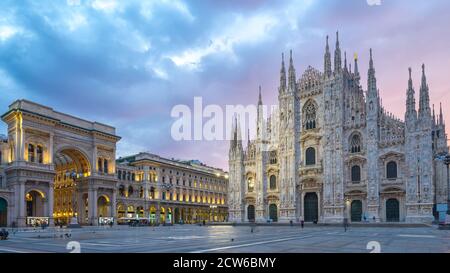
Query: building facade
point(55, 168)
point(170, 191)
point(331, 152)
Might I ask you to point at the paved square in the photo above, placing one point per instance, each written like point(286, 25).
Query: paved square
point(229, 239)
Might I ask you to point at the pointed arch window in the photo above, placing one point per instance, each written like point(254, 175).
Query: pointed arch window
point(309, 116)
point(273, 182)
point(356, 174)
point(251, 185)
point(310, 156)
point(391, 170)
point(355, 144)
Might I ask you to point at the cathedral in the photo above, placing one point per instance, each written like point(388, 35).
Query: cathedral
point(331, 152)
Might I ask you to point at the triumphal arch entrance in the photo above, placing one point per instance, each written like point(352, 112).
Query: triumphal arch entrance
point(59, 167)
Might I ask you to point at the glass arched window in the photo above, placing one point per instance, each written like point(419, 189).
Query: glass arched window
point(309, 116)
point(273, 182)
point(30, 152)
point(355, 144)
point(141, 192)
point(130, 190)
point(100, 165)
point(356, 173)
point(122, 190)
point(251, 185)
point(391, 170)
point(40, 154)
point(310, 156)
point(105, 165)
point(273, 157)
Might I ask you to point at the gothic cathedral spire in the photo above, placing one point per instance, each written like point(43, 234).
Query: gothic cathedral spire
point(337, 56)
point(372, 90)
point(291, 74)
point(282, 87)
point(327, 61)
point(411, 112)
point(424, 101)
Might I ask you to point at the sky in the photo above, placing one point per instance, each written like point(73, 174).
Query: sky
point(128, 63)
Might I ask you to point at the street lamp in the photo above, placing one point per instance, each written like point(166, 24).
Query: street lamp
point(166, 187)
point(447, 162)
point(74, 220)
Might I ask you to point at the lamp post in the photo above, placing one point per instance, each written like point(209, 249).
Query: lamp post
point(166, 187)
point(74, 220)
point(447, 162)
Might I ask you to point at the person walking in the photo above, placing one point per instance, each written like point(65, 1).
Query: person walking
point(302, 223)
point(345, 224)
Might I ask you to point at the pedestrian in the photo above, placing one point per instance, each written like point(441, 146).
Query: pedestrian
point(345, 224)
point(302, 223)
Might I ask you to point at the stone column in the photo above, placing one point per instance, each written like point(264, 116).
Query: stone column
point(114, 206)
point(50, 204)
point(20, 204)
point(50, 150)
point(92, 206)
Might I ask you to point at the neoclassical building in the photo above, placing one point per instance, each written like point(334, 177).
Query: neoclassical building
point(54, 167)
point(170, 191)
point(331, 151)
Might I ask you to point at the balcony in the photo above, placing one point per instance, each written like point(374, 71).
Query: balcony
point(30, 166)
point(392, 181)
point(312, 170)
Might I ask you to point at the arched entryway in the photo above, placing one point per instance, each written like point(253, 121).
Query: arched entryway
point(72, 167)
point(251, 213)
point(273, 212)
point(356, 211)
point(177, 215)
point(392, 210)
point(35, 201)
point(162, 215)
point(3, 212)
point(103, 206)
point(311, 205)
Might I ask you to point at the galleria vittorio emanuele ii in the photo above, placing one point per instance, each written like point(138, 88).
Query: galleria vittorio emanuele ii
point(60, 169)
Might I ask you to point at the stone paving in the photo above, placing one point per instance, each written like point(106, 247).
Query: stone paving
point(231, 239)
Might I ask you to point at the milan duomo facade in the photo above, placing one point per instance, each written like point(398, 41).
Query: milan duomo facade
point(331, 151)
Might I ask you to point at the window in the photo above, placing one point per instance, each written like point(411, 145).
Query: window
point(309, 116)
point(122, 190)
point(152, 193)
point(310, 156)
point(273, 157)
point(356, 173)
point(355, 144)
point(251, 185)
point(100, 165)
point(105, 166)
point(391, 170)
point(30, 152)
point(133, 177)
point(119, 174)
point(273, 182)
point(40, 154)
point(130, 190)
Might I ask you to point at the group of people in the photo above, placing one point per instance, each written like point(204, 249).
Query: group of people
point(4, 234)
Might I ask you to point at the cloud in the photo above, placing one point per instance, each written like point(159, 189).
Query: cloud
point(127, 63)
